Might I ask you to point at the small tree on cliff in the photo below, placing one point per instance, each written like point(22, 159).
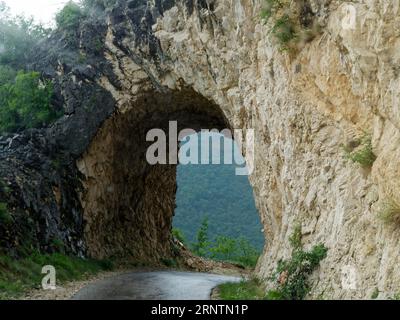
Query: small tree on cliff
point(26, 103)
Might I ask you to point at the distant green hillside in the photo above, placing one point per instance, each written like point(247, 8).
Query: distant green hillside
point(215, 191)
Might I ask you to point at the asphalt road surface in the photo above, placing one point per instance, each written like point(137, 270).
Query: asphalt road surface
point(162, 285)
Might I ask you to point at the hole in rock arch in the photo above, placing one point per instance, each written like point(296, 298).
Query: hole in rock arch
point(213, 189)
point(129, 204)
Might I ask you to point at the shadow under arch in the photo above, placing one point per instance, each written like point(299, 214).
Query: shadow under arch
point(129, 204)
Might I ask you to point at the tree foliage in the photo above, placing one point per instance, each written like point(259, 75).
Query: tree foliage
point(25, 103)
point(222, 248)
point(98, 4)
point(18, 37)
point(69, 17)
point(24, 97)
point(201, 245)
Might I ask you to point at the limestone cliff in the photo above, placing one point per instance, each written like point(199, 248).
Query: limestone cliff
point(216, 64)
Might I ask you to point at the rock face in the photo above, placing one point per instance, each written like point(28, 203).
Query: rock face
point(214, 64)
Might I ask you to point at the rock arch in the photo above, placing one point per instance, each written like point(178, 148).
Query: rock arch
point(129, 204)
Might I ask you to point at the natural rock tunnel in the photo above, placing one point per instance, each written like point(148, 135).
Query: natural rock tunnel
point(128, 203)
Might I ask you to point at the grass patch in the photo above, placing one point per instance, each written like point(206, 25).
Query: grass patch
point(18, 276)
point(244, 290)
point(361, 151)
point(390, 212)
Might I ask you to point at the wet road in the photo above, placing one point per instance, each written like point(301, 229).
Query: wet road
point(162, 285)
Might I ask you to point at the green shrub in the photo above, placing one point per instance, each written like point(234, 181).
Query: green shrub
point(290, 28)
point(284, 30)
point(292, 275)
point(295, 238)
point(390, 212)
point(69, 18)
point(25, 103)
point(375, 294)
point(362, 153)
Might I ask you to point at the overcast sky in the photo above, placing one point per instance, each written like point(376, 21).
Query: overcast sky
point(42, 10)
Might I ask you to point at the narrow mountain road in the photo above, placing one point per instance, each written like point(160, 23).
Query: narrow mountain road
point(162, 285)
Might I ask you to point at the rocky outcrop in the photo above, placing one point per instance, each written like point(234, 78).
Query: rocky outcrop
point(215, 64)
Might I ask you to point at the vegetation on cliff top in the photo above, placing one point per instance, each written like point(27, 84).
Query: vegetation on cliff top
point(73, 13)
point(25, 102)
point(69, 17)
point(25, 98)
point(18, 37)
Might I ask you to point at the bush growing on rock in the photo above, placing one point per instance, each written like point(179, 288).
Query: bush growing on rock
point(292, 22)
point(25, 103)
point(69, 18)
point(362, 153)
point(292, 275)
point(24, 98)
